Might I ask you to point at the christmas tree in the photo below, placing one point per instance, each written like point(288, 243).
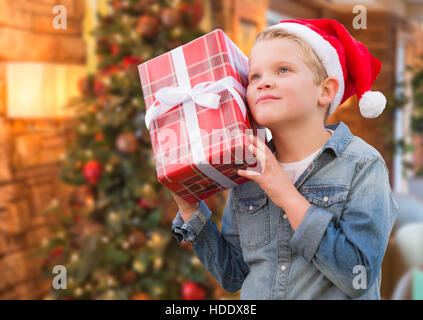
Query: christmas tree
point(113, 234)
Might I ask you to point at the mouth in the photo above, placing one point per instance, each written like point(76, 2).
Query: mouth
point(266, 99)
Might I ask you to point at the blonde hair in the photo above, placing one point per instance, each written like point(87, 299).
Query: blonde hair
point(307, 53)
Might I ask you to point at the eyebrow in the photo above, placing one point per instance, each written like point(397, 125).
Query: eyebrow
point(276, 63)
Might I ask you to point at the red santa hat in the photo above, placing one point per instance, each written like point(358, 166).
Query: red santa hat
point(344, 58)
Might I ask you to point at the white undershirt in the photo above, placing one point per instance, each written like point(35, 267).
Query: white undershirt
point(295, 169)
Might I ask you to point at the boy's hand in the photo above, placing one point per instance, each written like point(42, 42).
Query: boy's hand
point(275, 182)
point(186, 209)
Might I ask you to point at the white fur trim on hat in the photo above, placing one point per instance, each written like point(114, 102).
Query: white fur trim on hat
point(372, 104)
point(326, 53)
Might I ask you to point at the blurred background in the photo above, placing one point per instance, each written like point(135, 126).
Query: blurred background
point(77, 178)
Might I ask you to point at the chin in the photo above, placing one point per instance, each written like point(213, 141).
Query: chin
point(265, 118)
point(264, 121)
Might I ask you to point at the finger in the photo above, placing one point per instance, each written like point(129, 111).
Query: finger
point(258, 142)
point(260, 154)
point(245, 174)
point(250, 173)
point(251, 139)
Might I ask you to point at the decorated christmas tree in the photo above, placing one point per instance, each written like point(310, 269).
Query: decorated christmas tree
point(113, 234)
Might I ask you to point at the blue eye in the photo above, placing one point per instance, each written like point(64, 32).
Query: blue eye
point(283, 69)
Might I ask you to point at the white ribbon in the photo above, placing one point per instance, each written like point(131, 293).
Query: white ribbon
point(203, 94)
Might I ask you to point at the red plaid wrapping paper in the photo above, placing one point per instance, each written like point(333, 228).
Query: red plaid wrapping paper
point(209, 58)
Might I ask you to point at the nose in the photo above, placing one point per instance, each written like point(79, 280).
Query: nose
point(266, 82)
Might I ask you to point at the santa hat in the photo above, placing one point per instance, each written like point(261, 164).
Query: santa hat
point(344, 58)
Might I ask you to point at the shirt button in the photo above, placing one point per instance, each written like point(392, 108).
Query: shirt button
point(283, 268)
point(284, 216)
point(250, 208)
point(325, 199)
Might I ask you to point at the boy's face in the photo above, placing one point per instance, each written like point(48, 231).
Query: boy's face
point(277, 69)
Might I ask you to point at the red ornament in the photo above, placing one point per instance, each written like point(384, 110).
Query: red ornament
point(126, 143)
point(148, 26)
point(170, 17)
point(109, 70)
point(142, 203)
point(92, 171)
point(56, 252)
point(192, 13)
point(114, 49)
point(99, 88)
point(192, 291)
point(54, 257)
point(130, 61)
point(76, 217)
point(98, 136)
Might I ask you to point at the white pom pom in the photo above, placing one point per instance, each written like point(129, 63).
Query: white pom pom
point(372, 104)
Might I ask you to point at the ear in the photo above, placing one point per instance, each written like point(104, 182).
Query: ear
point(329, 88)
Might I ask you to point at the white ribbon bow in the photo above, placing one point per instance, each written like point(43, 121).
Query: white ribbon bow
point(203, 94)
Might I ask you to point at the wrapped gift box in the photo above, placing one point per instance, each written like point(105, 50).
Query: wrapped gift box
point(197, 115)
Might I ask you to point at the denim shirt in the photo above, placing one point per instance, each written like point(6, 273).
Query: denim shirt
point(337, 250)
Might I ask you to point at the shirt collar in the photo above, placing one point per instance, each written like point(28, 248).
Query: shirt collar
point(339, 139)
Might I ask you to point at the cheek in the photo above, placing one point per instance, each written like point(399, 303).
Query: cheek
point(250, 95)
point(299, 94)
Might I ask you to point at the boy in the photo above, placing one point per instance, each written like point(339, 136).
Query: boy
point(315, 222)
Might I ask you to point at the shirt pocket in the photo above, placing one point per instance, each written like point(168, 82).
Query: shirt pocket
point(253, 219)
point(329, 197)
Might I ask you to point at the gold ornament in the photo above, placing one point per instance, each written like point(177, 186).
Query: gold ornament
point(110, 295)
point(159, 239)
point(158, 262)
point(140, 296)
point(139, 266)
point(71, 281)
point(74, 257)
point(110, 281)
point(157, 290)
point(109, 167)
point(83, 128)
point(125, 244)
point(155, 8)
point(78, 292)
point(152, 161)
point(147, 191)
point(88, 153)
point(60, 235)
point(195, 261)
point(155, 240)
point(113, 216)
point(88, 287)
point(176, 32)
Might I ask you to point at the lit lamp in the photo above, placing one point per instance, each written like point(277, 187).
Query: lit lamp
point(41, 90)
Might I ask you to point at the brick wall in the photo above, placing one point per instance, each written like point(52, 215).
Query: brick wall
point(29, 149)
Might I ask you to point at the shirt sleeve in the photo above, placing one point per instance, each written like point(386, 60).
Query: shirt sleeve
point(189, 230)
point(359, 241)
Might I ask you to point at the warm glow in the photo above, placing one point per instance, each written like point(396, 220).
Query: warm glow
point(41, 90)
